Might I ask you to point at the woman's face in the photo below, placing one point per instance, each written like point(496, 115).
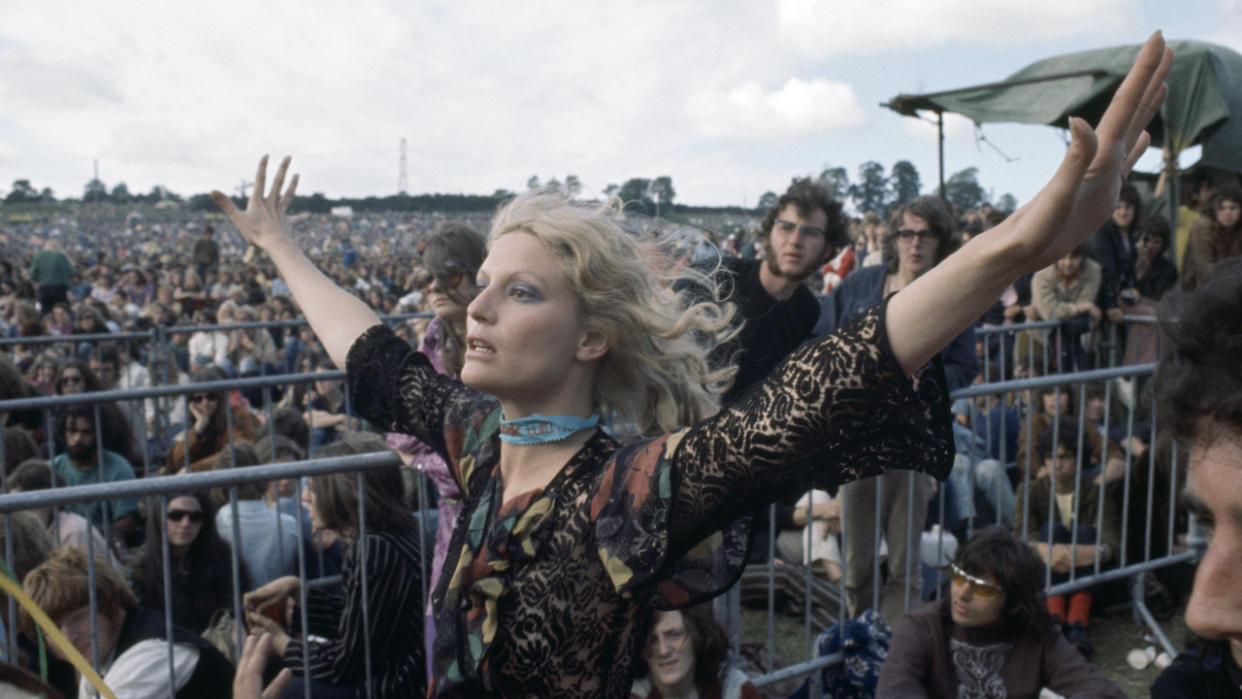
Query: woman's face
point(71, 381)
point(669, 652)
point(1150, 246)
point(1069, 266)
point(448, 298)
point(916, 245)
point(975, 605)
point(47, 373)
point(523, 334)
point(1123, 215)
point(206, 403)
point(185, 521)
point(1228, 212)
point(1056, 403)
point(308, 501)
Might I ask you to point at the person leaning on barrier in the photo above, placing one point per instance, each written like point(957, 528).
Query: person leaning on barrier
point(199, 562)
point(69, 528)
point(268, 538)
point(384, 568)
point(1066, 291)
point(83, 463)
point(1198, 386)
point(923, 236)
point(208, 430)
point(578, 537)
point(132, 640)
point(686, 655)
point(991, 636)
point(1069, 541)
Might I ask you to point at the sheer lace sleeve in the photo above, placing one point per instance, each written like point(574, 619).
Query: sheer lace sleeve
point(672, 511)
point(395, 387)
point(836, 410)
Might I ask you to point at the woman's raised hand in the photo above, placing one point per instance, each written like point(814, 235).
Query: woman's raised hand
point(1084, 191)
point(264, 222)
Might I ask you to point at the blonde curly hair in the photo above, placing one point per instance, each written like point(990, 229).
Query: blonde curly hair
point(656, 374)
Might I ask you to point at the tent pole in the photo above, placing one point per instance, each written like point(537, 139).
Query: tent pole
point(940, 135)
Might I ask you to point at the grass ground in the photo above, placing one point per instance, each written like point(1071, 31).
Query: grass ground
point(1113, 635)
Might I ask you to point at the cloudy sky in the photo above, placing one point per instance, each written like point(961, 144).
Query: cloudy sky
point(729, 98)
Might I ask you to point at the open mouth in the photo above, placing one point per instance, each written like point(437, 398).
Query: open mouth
point(479, 347)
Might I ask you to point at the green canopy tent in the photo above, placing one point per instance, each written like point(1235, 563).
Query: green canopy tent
point(1204, 105)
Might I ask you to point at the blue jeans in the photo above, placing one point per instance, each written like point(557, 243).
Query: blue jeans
point(991, 498)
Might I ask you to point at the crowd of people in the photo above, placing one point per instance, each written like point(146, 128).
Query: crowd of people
point(597, 410)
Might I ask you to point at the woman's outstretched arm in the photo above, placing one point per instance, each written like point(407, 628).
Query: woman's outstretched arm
point(927, 314)
point(336, 316)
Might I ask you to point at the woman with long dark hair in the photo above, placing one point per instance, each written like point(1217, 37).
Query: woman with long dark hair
point(991, 636)
point(199, 562)
point(207, 430)
point(1217, 235)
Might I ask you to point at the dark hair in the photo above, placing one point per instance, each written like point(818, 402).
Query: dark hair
point(454, 248)
point(1156, 226)
point(710, 642)
point(278, 447)
point(1062, 433)
point(218, 420)
point(241, 454)
point(288, 422)
point(939, 219)
point(19, 446)
point(807, 195)
point(34, 474)
point(207, 565)
point(90, 381)
point(1130, 195)
point(1019, 572)
point(106, 353)
point(71, 412)
point(336, 494)
point(1199, 377)
point(1227, 241)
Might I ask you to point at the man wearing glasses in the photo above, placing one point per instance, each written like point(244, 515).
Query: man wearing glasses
point(923, 233)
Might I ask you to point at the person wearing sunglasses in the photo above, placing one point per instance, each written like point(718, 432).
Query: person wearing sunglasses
point(208, 422)
point(199, 562)
point(990, 636)
point(923, 234)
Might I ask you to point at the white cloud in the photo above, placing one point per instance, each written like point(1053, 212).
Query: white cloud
point(828, 27)
point(799, 108)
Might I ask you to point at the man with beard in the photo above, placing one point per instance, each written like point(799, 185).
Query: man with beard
point(776, 313)
point(82, 463)
point(775, 310)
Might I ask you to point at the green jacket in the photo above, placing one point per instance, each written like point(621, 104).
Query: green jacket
point(51, 268)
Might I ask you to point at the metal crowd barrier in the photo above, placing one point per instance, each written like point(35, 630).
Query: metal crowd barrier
point(821, 603)
point(1139, 483)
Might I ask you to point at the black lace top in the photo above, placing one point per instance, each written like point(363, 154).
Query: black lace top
point(542, 595)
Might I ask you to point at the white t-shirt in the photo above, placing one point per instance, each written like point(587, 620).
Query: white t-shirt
point(141, 672)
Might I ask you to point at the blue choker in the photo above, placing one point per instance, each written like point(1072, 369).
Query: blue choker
point(541, 429)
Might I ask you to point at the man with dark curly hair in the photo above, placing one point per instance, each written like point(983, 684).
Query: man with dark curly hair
point(800, 232)
point(1199, 389)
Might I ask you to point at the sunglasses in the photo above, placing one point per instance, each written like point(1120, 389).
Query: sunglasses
point(908, 235)
point(200, 397)
point(195, 516)
point(72, 378)
point(980, 587)
point(452, 281)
